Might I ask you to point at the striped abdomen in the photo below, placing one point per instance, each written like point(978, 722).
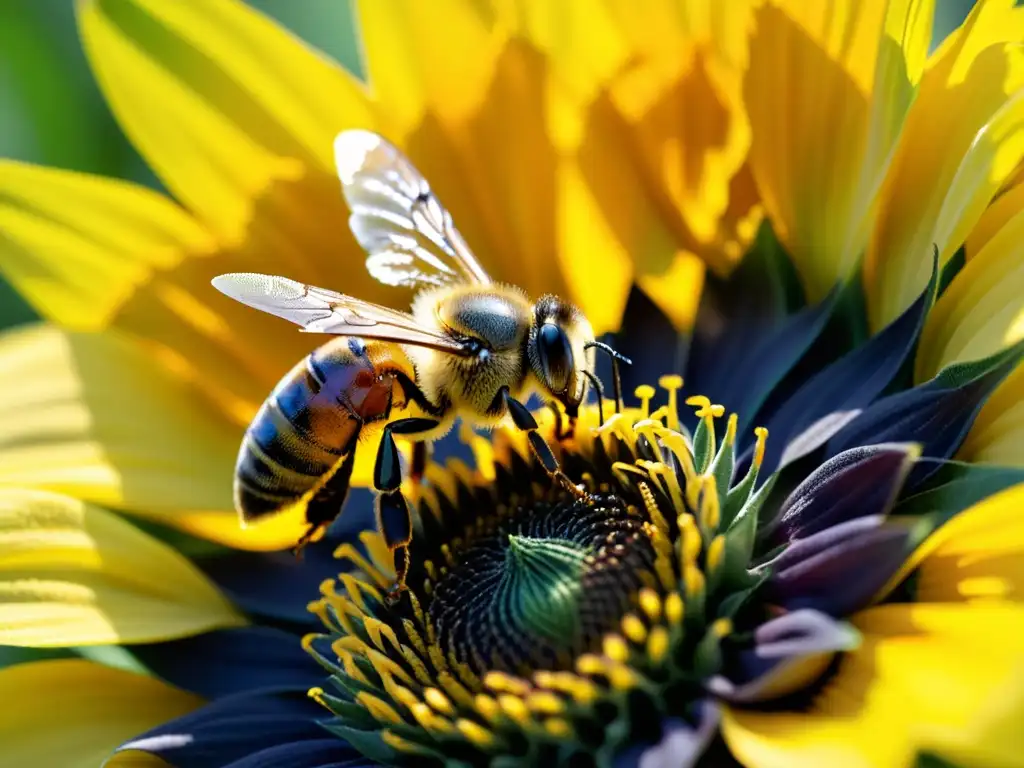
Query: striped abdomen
point(306, 431)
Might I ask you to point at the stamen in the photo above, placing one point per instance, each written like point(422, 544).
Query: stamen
point(644, 393)
point(762, 437)
point(672, 383)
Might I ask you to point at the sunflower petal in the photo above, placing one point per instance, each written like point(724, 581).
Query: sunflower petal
point(77, 246)
point(978, 554)
point(229, 661)
point(222, 102)
point(823, 59)
point(74, 574)
point(857, 483)
point(982, 311)
point(898, 693)
point(90, 415)
point(71, 713)
point(959, 144)
point(90, 253)
point(936, 414)
point(997, 436)
point(233, 728)
point(835, 395)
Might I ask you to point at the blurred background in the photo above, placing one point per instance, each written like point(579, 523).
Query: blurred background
point(52, 113)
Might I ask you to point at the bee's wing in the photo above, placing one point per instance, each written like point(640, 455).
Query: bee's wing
point(408, 235)
point(318, 310)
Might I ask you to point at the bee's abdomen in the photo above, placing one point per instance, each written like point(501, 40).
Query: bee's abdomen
point(301, 432)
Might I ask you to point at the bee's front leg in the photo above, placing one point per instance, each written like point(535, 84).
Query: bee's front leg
point(524, 420)
point(394, 521)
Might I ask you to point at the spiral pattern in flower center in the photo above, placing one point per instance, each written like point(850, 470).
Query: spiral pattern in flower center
point(541, 585)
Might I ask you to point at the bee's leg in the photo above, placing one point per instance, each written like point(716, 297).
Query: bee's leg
point(394, 520)
point(524, 421)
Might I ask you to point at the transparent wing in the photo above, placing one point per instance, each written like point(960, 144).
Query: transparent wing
point(407, 234)
point(318, 310)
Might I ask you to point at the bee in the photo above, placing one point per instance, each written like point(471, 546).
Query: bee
point(469, 348)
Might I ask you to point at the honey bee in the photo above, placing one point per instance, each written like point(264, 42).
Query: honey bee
point(469, 348)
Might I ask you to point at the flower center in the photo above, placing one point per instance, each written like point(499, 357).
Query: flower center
point(545, 627)
point(541, 584)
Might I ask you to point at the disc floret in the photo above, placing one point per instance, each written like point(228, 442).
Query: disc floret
point(539, 624)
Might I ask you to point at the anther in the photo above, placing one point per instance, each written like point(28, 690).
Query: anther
point(644, 393)
point(762, 437)
point(672, 383)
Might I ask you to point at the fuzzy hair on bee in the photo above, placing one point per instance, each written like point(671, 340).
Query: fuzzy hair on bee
point(469, 348)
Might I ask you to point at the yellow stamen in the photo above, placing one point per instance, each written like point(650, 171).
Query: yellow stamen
point(622, 677)
point(721, 627)
point(633, 628)
point(354, 556)
point(674, 609)
point(418, 667)
point(545, 703)
point(499, 682)
point(657, 644)
point(438, 701)
point(716, 552)
point(455, 689)
point(589, 664)
point(514, 708)
point(558, 728)
point(672, 383)
point(395, 741)
point(487, 706)
point(710, 509)
point(730, 429)
point(475, 732)
point(689, 539)
point(615, 648)
point(378, 631)
point(317, 694)
point(650, 603)
point(644, 393)
point(762, 436)
point(379, 708)
point(694, 581)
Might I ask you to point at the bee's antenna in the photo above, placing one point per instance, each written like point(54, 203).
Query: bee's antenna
point(600, 394)
point(616, 359)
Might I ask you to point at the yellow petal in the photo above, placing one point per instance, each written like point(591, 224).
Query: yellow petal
point(926, 677)
point(982, 311)
point(817, 150)
point(75, 574)
point(223, 103)
point(90, 253)
point(686, 59)
point(450, 80)
point(1004, 208)
point(76, 246)
point(93, 416)
point(961, 140)
point(997, 435)
point(71, 713)
point(978, 555)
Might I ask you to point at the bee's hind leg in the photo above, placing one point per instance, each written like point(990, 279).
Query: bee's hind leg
point(394, 521)
point(524, 421)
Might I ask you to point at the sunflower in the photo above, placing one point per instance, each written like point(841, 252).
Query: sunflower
point(811, 554)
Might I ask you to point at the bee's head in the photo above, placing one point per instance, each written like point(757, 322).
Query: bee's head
point(557, 350)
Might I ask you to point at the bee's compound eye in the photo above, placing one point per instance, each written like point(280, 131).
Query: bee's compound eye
point(555, 355)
